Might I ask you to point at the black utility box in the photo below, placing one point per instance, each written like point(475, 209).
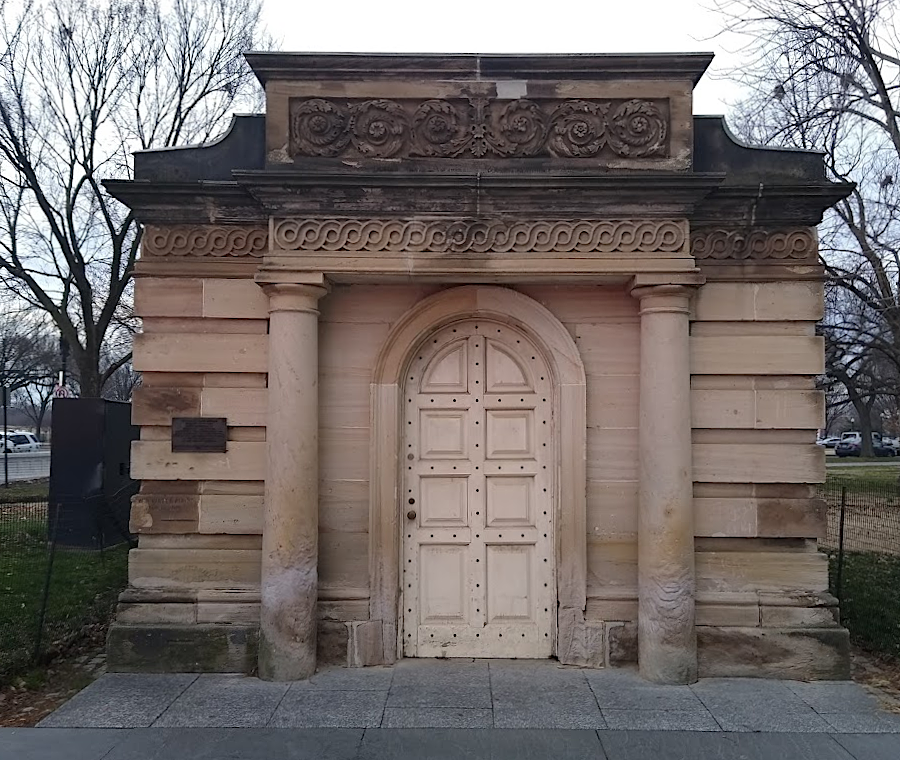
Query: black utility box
point(90, 481)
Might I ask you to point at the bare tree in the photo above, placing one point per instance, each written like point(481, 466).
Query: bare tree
point(25, 353)
point(83, 83)
point(825, 75)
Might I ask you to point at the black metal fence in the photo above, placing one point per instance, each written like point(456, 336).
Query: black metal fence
point(53, 589)
point(863, 545)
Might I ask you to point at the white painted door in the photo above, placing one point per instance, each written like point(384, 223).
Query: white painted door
point(478, 550)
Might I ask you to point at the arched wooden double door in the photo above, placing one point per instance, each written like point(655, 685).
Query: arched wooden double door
point(478, 565)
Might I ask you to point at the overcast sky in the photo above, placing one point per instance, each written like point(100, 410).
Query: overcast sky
point(505, 26)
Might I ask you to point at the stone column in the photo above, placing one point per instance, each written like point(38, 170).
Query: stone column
point(667, 640)
point(290, 544)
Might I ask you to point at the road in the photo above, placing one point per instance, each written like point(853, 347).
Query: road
point(26, 466)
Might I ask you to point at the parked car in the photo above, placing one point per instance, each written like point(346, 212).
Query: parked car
point(828, 443)
point(852, 446)
point(16, 441)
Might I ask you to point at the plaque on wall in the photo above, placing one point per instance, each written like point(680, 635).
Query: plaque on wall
point(207, 434)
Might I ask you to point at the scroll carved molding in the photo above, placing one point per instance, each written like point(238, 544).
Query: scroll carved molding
point(480, 236)
point(205, 240)
point(479, 127)
point(742, 244)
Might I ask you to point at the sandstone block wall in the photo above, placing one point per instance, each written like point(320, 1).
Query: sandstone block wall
point(755, 413)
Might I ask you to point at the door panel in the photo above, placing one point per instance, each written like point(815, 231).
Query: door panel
point(479, 559)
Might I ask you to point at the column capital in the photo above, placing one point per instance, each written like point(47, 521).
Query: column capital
point(671, 299)
point(292, 291)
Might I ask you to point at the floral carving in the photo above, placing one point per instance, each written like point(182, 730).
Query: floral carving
point(478, 127)
point(438, 128)
point(203, 240)
point(579, 129)
point(478, 236)
point(637, 128)
point(523, 128)
point(753, 244)
point(378, 128)
point(319, 128)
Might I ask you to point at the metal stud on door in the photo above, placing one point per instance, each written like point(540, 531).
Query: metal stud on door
point(478, 564)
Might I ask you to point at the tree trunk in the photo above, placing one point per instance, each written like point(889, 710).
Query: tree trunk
point(88, 375)
point(865, 430)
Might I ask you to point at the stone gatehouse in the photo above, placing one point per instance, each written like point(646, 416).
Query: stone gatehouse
point(508, 356)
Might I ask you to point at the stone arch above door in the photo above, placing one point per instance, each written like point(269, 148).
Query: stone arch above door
point(501, 305)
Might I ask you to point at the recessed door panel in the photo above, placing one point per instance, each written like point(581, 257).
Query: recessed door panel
point(509, 584)
point(510, 501)
point(448, 371)
point(478, 574)
point(443, 434)
point(442, 584)
point(444, 502)
point(510, 433)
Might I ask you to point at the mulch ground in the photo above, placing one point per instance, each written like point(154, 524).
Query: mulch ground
point(29, 698)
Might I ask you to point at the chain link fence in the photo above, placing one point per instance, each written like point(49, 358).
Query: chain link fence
point(863, 545)
point(61, 570)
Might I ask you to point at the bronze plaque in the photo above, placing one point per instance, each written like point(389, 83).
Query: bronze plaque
point(199, 434)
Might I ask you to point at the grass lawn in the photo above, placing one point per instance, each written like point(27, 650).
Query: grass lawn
point(864, 476)
point(83, 587)
point(870, 605)
point(25, 490)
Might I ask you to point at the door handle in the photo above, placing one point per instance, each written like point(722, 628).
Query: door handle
point(411, 514)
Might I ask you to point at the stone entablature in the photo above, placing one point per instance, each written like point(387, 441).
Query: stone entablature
point(487, 236)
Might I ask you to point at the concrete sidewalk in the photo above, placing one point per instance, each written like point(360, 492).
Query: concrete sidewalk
point(460, 709)
point(434, 744)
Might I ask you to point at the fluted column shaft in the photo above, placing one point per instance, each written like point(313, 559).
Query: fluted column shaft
point(667, 640)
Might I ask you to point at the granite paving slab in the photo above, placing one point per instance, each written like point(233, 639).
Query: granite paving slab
point(863, 723)
point(695, 745)
point(636, 694)
point(870, 746)
point(475, 744)
point(237, 744)
point(120, 700)
point(437, 717)
point(350, 679)
point(548, 710)
point(660, 720)
point(224, 701)
point(306, 708)
point(57, 743)
point(436, 683)
point(834, 696)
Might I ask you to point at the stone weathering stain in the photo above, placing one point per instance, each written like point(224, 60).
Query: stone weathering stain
point(516, 358)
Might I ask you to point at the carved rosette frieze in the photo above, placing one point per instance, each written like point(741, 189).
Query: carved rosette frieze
point(743, 244)
point(480, 236)
point(205, 240)
point(479, 127)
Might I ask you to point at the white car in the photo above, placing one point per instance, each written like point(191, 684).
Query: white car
point(15, 442)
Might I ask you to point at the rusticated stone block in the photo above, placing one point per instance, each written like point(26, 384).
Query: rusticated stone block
point(366, 645)
point(165, 513)
point(791, 517)
point(331, 643)
point(805, 654)
point(182, 648)
point(622, 640)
